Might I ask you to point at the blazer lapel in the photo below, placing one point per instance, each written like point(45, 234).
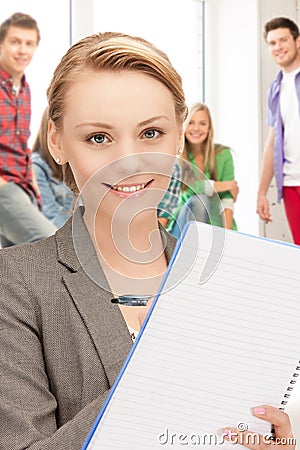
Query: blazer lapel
point(88, 287)
point(89, 290)
point(103, 320)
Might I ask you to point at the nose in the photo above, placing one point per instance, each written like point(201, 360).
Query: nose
point(277, 46)
point(130, 164)
point(196, 126)
point(22, 47)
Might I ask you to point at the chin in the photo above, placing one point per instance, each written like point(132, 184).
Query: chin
point(196, 141)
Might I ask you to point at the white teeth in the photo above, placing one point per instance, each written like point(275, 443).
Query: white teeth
point(138, 187)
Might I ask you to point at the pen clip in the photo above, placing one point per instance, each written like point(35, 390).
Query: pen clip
point(132, 300)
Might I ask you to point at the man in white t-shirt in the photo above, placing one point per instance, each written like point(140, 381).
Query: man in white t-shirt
point(282, 149)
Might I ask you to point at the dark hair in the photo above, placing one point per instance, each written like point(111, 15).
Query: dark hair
point(41, 146)
point(281, 22)
point(19, 20)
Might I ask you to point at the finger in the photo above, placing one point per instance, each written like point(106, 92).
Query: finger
point(279, 419)
point(261, 214)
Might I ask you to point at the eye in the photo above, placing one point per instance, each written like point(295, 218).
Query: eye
point(152, 133)
point(98, 138)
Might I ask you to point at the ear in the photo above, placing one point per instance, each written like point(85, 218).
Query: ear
point(298, 42)
point(54, 144)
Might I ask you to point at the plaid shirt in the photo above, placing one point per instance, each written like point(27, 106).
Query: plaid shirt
point(15, 113)
point(170, 201)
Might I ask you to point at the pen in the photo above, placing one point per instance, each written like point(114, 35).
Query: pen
point(132, 300)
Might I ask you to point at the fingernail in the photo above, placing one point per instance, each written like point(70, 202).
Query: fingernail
point(259, 411)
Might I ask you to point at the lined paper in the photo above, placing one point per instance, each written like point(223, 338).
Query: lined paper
point(210, 351)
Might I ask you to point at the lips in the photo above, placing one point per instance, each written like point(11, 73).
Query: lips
point(127, 189)
point(132, 188)
point(281, 55)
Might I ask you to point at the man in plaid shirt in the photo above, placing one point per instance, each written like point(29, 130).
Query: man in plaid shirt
point(20, 217)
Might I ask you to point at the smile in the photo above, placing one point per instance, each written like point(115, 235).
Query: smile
point(132, 188)
point(128, 188)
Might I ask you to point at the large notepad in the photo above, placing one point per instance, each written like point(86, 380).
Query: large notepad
point(222, 336)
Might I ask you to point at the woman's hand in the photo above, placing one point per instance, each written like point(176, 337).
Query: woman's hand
point(234, 190)
point(231, 186)
point(283, 438)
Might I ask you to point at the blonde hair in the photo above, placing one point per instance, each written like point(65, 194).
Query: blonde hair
point(208, 148)
point(111, 52)
point(40, 146)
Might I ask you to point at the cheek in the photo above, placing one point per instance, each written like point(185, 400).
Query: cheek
point(206, 132)
point(82, 172)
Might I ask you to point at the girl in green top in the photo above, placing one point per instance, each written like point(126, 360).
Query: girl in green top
point(208, 187)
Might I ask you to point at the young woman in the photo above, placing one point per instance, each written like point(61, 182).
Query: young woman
point(116, 108)
point(208, 188)
point(57, 198)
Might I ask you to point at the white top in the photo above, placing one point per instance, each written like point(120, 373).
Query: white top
point(291, 120)
point(133, 333)
point(16, 89)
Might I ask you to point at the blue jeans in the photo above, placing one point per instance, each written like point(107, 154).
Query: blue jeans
point(196, 208)
point(20, 219)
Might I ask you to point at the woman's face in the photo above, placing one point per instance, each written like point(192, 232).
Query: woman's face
point(119, 135)
point(198, 127)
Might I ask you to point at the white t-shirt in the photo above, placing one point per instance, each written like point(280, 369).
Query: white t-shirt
point(291, 121)
point(16, 89)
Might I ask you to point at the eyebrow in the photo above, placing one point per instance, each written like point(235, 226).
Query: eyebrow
point(21, 39)
point(271, 41)
point(94, 124)
point(110, 127)
point(152, 119)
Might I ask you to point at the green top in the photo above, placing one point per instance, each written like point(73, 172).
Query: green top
point(224, 172)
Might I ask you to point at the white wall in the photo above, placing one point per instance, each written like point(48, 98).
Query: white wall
point(232, 93)
point(172, 26)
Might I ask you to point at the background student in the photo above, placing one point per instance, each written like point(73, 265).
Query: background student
point(208, 188)
point(20, 217)
point(57, 198)
point(282, 152)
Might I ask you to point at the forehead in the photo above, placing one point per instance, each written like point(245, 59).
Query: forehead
point(28, 34)
point(117, 93)
point(278, 34)
point(200, 114)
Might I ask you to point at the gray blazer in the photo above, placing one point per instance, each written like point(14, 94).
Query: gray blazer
point(62, 341)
